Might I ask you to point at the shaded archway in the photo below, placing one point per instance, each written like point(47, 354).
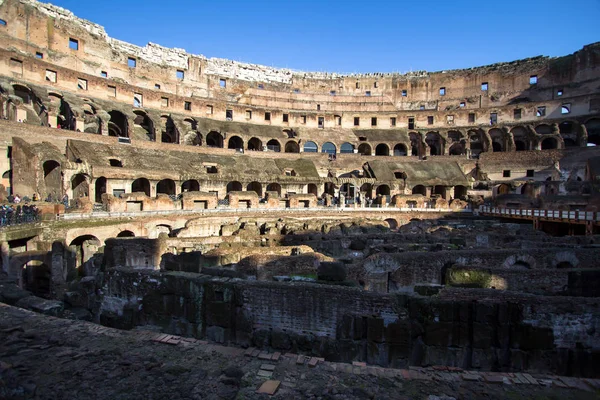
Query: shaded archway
point(80, 186)
point(329, 148)
point(346, 148)
point(100, 188)
point(456, 149)
point(502, 189)
point(593, 130)
point(142, 125)
point(141, 185)
point(383, 190)
point(255, 187)
point(84, 247)
point(166, 186)
point(214, 139)
point(117, 126)
point(310, 147)
point(439, 190)
point(367, 189)
point(419, 189)
point(435, 143)
point(169, 132)
point(234, 186)
point(549, 143)
point(126, 234)
point(400, 150)
point(274, 145)
point(191, 185)
point(312, 188)
point(274, 187)
point(498, 140)
point(52, 178)
point(543, 129)
point(364, 149)
point(235, 142)
point(292, 147)
point(255, 144)
point(460, 192)
point(476, 144)
point(415, 143)
point(382, 149)
point(520, 145)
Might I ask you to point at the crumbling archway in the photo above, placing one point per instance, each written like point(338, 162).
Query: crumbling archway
point(118, 126)
point(255, 187)
point(214, 139)
point(80, 186)
point(234, 187)
point(166, 186)
point(364, 149)
point(235, 142)
point(141, 185)
point(292, 147)
point(52, 178)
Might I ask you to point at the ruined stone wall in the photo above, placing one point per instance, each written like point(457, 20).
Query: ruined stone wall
point(504, 333)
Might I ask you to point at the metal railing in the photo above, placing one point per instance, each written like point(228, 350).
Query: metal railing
point(228, 210)
point(542, 213)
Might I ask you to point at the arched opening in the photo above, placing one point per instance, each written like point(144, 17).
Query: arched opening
point(66, 118)
point(392, 223)
point(235, 142)
point(117, 126)
point(126, 234)
point(159, 229)
point(503, 189)
point(328, 148)
point(382, 149)
point(191, 185)
point(457, 149)
point(169, 132)
point(565, 127)
point(166, 186)
point(192, 138)
point(364, 149)
point(80, 186)
point(497, 137)
point(460, 192)
point(593, 130)
point(528, 190)
point(439, 190)
point(347, 148)
point(37, 278)
point(383, 190)
point(84, 247)
point(292, 147)
point(100, 188)
point(400, 150)
point(255, 187)
point(52, 178)
point(476, 144)
point(312, 189)
point(234, 187)
point(348, 190)
point(273, 145)
point(549, 143)
point(214, 139)
point(141, 185)
point(274, 187)
point(419, 189)
point(434, 141)
point(255, 144)
point(367, 189)
point(520, 145)
point(570, 143)
point(143, 126)
point(415, 143)
point(310, 147)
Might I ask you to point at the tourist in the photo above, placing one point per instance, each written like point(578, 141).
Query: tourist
point(65, 200)
point(17, 199)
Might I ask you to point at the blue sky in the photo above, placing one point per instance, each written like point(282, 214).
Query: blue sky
point(352, 36)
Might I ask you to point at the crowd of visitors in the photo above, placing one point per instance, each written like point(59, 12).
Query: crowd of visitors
point(11, 214)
